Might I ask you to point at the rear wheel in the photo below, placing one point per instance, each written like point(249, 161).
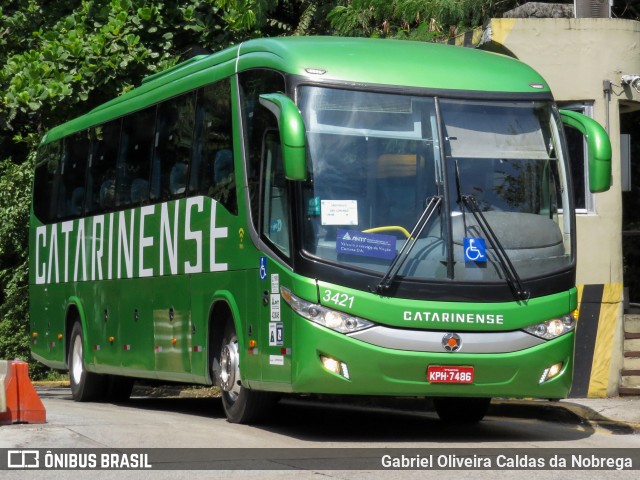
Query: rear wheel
point(461, 410)
point(85, 386)
point(240, 404)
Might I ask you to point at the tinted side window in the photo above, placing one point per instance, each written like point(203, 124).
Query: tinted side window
point(71, 190)
point(45, 182)
point(101, 180)
point(256, 121)
point(575, 143)
point(275, 216)
point(212, 170)
point(136, 145)
point(173, 146)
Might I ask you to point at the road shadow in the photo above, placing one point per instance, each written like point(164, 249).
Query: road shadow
point(385, 420)
point(310, 420)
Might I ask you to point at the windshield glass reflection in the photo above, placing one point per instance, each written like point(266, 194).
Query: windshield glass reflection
point(375, 162)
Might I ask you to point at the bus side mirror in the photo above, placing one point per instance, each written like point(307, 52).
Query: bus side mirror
point(292, 137)
point(598, 146)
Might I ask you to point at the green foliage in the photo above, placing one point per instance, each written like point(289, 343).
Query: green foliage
point(306, 20)
point(424, 20)
point(15, 185)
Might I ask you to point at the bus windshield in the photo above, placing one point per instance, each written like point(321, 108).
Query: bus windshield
point(492, 172)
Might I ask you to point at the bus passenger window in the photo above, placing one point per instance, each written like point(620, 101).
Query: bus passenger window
point(223, 188)
point(173, 147)
point(136, 143)
point(178, 179)
point(45, 182)
point(275, 218)
point(256, 121)
point(101, 180)
point(71, 193)
point(212, 171)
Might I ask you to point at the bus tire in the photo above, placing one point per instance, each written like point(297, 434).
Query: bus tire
point(461, 410)
point(85, 386)
point(119, 388)
point(240, 404)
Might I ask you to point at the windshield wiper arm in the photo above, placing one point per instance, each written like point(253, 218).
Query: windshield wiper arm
point(398, 261)
point(510, 273)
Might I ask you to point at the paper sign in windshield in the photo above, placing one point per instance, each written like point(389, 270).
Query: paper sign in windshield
point(339, 212)
point(365, 244)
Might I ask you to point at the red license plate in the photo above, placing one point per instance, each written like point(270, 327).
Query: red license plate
point(449, 374)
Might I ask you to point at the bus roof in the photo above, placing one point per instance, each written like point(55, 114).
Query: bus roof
point(399, 63)
point(356, 61)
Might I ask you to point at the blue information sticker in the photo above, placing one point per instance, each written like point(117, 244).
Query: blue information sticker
point(475, 250)
point(365, 244)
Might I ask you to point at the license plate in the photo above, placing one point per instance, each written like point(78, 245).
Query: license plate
point(449, 374)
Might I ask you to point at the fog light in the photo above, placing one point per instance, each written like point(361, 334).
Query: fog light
point(551, 372)
point(331, 364)
point(335, 366)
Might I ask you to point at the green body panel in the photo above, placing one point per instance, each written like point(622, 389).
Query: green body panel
point(292, 134)
point(410, 64)
point(435, 315)
point(599, 149)
point(379, 371)
point(134, 276)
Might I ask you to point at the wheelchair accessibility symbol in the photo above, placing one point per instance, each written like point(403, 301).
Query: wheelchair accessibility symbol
point(475, 250)
point(263, 268)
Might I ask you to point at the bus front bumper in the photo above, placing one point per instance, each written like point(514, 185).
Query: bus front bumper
point(358, 368)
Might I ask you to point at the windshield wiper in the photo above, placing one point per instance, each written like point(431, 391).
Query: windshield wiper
point(432, 204)
point(510, 273)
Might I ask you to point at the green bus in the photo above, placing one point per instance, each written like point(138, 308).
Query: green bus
point(314, 216)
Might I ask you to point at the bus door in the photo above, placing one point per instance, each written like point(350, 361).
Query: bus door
point(274, 225)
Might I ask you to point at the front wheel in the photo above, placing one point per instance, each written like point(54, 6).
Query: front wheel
point(240, 404)
point(85, 386)
point(461, 410)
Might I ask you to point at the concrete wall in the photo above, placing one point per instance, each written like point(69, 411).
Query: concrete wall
point(575, 56)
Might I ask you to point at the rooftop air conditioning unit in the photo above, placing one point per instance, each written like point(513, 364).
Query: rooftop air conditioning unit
point(592, 8)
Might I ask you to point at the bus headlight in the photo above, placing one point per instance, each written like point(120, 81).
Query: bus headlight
point(333, 319)
point(553, 328)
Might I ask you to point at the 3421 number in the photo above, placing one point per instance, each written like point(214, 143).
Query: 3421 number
point(337, 298)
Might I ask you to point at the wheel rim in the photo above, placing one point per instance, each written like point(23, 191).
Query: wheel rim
point(76, 360)
point(230, 368)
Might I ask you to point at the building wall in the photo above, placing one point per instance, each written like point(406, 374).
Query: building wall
point(575, 56)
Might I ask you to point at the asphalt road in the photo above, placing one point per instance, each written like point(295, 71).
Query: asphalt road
point(301, 424)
